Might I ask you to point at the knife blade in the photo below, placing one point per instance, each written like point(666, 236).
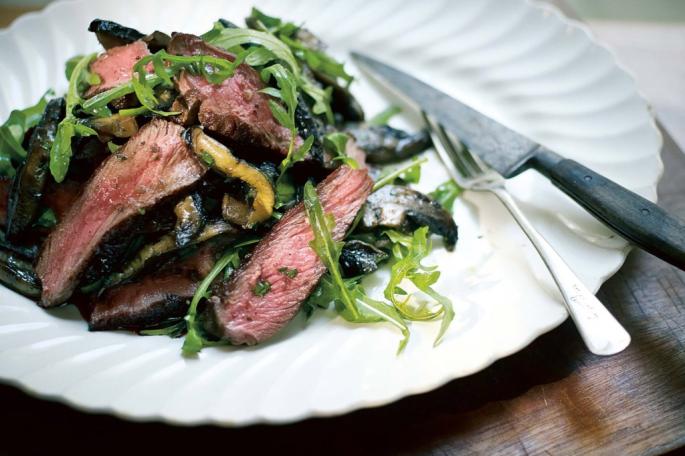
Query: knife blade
point(508, 152)
point(497, 145)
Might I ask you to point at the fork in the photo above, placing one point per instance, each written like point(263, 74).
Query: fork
point(600, 331)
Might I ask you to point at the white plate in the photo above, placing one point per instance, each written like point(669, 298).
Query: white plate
point(523, 64)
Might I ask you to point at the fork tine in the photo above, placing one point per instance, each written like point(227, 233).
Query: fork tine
point(456, 151)
point(446, 152)
point(462, 154)
point(474, 160)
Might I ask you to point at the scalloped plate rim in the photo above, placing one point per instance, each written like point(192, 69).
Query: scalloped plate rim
point(494, 355)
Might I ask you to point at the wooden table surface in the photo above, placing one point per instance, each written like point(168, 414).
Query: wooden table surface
point(551, 398)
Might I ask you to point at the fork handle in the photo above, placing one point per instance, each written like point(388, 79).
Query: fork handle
point(602, 334)
point(633, 217)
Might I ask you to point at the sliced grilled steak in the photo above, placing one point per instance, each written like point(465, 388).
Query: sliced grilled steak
point(156, 298)
point(115, 67)
point(138, 305)
point(154, 164)
point(234, 109)
point(238, 313)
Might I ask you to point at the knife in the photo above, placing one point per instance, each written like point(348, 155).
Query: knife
point(633, 217)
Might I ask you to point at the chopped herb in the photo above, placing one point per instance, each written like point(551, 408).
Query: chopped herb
point(112, 147)
point(410, 173)
point(207, 158)
point(141, 211)
point(47, 219)
point(383, 117)
point(261, 288)
point(446, 193)
point(291, 273)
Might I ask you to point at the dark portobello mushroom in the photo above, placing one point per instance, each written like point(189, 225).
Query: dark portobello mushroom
point(166, 245)
point(18, 275)
point(402, 208)
point(385, 144)
point(342, 100)
point(28, 252)
point(28, 185)
point(308, 125)
point(359, 258)
point(111, 34)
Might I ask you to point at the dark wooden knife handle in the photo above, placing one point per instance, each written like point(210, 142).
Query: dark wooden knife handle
point(633, 217)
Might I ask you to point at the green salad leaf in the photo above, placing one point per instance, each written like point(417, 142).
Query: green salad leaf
point(271, 24)
point(194, 340)
point(446, 193)
point(229, 262)
point(317, 60)
point(326, 248)
point(313, 55)
point(409, 252)
point(410, 173)
point(383, 117)
point(12, 134)
point(165, 65)
point(70, 126)
point(336, 144)
point(357, 307)
point(228, 38)
point(271, 39)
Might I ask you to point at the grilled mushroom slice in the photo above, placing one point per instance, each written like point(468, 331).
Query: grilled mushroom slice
point(402, 208)
point(359, 258)
point(116, 125)
point(28, 185)
point(162, 246)
point(385, 144)
point(220, 158)
point(190, 218)
point(18, 275)
point(111, 34)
